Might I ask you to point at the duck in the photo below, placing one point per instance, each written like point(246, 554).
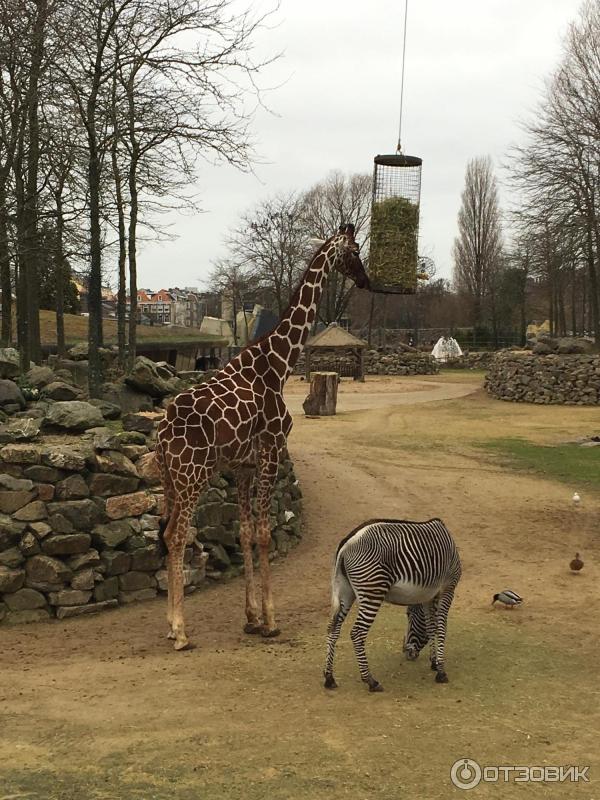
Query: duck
point(508, 597)
point(576, 564)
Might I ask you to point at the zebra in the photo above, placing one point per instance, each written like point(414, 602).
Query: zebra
point(415, 564)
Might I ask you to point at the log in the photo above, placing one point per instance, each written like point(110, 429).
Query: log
point(322, 399)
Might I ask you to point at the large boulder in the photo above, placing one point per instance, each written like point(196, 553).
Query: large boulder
point(571, 344)
point(9, 362)
point(73, 415)
point(126, 398)
point(108, 410)
point(20, 430)
point(145, 377)
point(58, 390)
point(10, 394)
point(38, 377)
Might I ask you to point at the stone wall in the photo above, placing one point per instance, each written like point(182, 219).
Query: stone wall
point(476, 360)
point(549, 379)
point(389, 361)
point(79, 526)
point(381, 361)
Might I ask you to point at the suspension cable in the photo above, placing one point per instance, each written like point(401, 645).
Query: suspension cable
point(399, 148)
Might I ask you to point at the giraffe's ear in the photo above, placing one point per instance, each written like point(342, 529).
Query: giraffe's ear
point(349, 231)
point(316, 242)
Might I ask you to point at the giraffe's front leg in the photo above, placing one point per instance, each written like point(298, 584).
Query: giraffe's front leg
point(268, 464)
point(244, 480)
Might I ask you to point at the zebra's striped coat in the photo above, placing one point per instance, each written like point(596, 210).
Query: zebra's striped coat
point(415, 564)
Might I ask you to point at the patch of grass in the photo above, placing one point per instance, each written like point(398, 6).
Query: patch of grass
point(569, 463)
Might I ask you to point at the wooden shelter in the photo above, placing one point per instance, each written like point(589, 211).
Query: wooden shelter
point(336, 350)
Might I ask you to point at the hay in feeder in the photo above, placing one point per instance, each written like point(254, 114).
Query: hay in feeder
point(394, 243)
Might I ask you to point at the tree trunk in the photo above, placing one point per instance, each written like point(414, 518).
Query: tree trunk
point(322, 399)
point(31, 254)
point(593, 290)
point(122, 285)
point(60, 276)
point(5, 277)
point(132, 234)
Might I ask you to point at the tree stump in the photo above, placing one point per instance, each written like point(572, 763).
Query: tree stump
point(322, 399)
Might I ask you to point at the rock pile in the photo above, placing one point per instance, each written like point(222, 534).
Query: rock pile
point(524, 377)
point(544, 344)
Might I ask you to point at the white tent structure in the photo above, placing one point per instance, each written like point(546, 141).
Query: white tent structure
point(446, 349)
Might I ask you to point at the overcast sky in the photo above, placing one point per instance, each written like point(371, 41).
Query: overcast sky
point(474, 68)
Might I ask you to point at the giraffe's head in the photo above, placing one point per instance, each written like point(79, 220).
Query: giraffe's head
point(347, 259)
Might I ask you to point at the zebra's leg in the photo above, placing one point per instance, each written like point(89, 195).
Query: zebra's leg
point(367, 611)
point(443, 606)
point(429, 610)
point(343, 598)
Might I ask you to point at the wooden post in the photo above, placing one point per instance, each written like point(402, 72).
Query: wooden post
point(322, 400)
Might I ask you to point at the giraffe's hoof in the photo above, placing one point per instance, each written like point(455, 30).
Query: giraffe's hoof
point(375, 686)
point(184, 645)
point(330, 682)
point(269, 633)
point(252, 627)
point(441, 677)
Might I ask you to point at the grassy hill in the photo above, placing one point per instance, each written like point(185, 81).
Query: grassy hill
point(76, 328)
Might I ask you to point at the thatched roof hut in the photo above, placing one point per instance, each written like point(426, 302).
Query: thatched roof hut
point(336, 350)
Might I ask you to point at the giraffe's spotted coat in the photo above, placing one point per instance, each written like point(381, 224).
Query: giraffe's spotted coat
point(238, 420)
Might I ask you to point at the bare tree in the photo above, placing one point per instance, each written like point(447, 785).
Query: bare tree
point(270, 245)
point(478, 246)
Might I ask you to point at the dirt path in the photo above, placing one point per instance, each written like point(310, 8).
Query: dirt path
point(103, 708)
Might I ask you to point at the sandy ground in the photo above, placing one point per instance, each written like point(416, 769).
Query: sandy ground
point(103, 708)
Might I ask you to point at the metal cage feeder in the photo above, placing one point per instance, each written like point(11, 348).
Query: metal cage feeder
point(393, 258)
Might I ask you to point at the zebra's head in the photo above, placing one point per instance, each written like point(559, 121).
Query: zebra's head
point(416, 634)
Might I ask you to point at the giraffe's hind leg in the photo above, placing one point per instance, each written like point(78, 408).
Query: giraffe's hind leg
point(245, 480)
point(169, 495)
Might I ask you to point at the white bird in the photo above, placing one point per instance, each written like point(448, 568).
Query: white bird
point(508, 597)
point(576, 499)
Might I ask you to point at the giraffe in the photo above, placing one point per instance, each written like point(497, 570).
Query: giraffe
point(238, 419)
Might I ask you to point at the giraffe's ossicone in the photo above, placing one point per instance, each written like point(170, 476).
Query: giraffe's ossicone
point(238, 420)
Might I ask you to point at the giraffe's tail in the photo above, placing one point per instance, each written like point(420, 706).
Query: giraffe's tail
point(162, 527)
point(168, 490)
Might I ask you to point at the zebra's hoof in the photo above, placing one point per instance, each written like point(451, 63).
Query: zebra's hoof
point(330, 682)
point(181, 646)
point(375, 686)
point(441, 677)
point(269, 633)
point(252, 627)
point(434, 665)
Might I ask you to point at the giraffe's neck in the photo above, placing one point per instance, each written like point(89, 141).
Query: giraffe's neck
point(285, 343)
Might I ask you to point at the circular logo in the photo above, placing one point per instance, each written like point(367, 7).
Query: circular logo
point(465, 773)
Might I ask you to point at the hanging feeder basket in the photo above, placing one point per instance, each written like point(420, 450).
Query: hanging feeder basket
point(393, 257)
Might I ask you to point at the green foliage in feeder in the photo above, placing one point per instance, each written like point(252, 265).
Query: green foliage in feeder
point(394, 243)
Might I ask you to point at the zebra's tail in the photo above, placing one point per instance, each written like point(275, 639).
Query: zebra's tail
point(342, 592)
